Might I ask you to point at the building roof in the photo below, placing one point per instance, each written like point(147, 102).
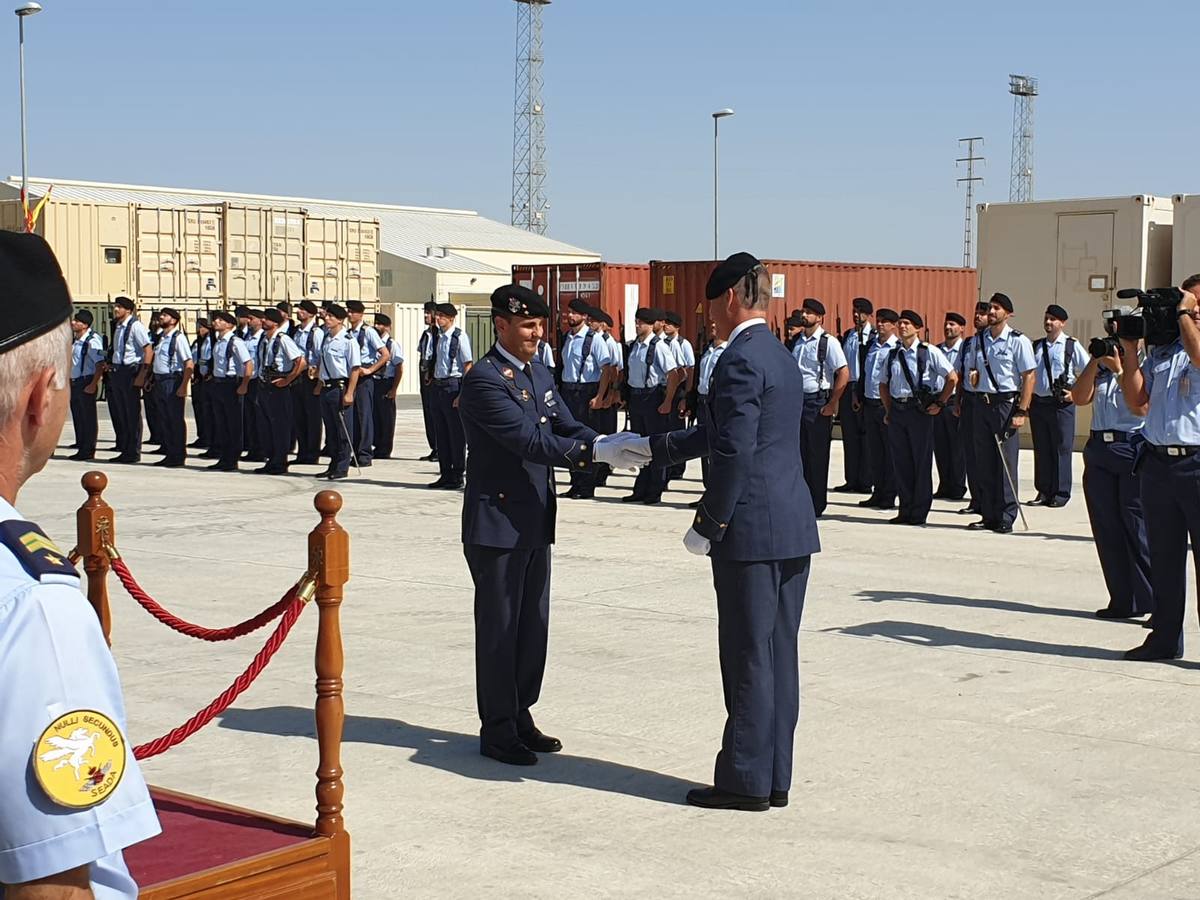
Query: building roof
point(405, 231)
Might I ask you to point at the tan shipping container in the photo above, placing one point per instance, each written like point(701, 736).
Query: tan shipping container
point(178, 254)
point(91, 242)
point(1185, 239)
point(341, 259)
point(264, 255)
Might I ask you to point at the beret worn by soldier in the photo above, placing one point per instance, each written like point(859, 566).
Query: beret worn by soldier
point(273, 315)
point(579, 306)
point(673, 318)
point(430, 306)
point(383, 319)
point(911, 315)
point(221, 316)
point(729, 273)
point(518, 300)
point(887, 315)
point(241, 311)
point(336, 310)
point(794, 319)
point(1057, 312)
point(982, 306)
point(956, 317)
point(82, 315)
point(36, 298)
point(447, 309)
point(168, 311)
point(124, 302)
point(202, 323)
point(309, 307)
point(645, 314)
point(862, 305)
point(254, 314)
point(355, 306)
point(283, 306)
point(598, 315)
point(812, 304)
point(1002, 300)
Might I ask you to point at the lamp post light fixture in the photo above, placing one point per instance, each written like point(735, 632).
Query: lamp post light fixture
point(717, 117)
point(24, 11)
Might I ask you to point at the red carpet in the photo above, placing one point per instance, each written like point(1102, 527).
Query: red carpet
point(197, 836)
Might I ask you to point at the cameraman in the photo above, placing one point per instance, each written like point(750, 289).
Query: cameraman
point(1166, 390)
point(1111, 488)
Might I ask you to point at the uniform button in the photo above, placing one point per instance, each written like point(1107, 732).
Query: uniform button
point(583, 465)
point(543, 420)
point(583, 446)
point(501, 496)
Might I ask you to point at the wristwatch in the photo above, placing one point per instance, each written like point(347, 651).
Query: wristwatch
point(1179, 313)
point(1017, 411)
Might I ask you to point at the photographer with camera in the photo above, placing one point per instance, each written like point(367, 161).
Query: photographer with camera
point(1166, 390)
point(1052, 416)
point(1111, 488)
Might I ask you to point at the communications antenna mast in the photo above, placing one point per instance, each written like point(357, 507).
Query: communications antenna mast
point(529, 205)
point(970, 159)
point(1024, 89)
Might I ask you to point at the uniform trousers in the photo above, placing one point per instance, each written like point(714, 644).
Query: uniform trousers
point(578, 397)
point(949, 453)
point(363, 432)
point(816, 434)
point(169, 409)
point(126, 410)
point(250, 422)
point(1170, 488)
point(512, 622)
point(198, 416)
point(966, 436)
point(307, 409)
point(702, 419)
point(1112, 492)
point(879, 455)
point(428, 415)
point(149, 401)
point(675, 423)
point(275, 419)
point(208, 413)
point(338, 420)
point(759, 605)
point(384, 426)
point(451, 441)
point(83, 416)
point(910, 436)
point(645, 419)
point(854, 437)
point(1053, 427)
point(997, 503)
point(605, 421)
point(227, 420)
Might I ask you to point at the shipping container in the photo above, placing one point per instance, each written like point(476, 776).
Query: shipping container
point(178, 255)
point(1185, 239)
point(617, 288)
point(264, 255)
point(341, 259)
point(679, 286)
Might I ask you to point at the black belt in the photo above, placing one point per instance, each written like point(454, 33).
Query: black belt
point(580, 385)
point(1110, 437)
point(1172, 451)
point(642, 391)
point(82, 378)
point(121, 367)
point(338, 383)
point(904, 401)
point(998, 397)
point(169, 377)
point(822, 394)
point(447, 380)
point(870, 402)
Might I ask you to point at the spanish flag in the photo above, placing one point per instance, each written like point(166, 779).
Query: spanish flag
point(31, 216)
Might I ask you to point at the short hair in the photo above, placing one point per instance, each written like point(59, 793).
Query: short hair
point(762, 279)
point(1190, 282)
point(51, 350)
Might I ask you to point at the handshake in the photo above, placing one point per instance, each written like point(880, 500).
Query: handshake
point(624, 450)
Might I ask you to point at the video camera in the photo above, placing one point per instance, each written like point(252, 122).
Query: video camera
point(1110, 344)
point(1154, 319)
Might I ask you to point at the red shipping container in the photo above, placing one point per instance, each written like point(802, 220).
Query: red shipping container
point(931, 291)
point(617, 288)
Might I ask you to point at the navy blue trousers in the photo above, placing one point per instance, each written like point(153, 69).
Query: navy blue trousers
point(879, 455)
point(451, 440)
point(578, 398)
point(645, 419)
point(126, 407)
point(364, 420)
point(910, 439)
point(949, 453)
point(306, 408)
point(338, 420)
point(1171, 504)
point(966, 436)
point(996, 501)
point(427, 415)
point(512, 624)
point(275, 419)
point(250, 412)
point(83, 416)
point(1114, 504)
point(227, 420)
point(172, 430)
point(816, 434)
point(1053, 430)
point(384, 411)
point(759, 605)
point(854, 456)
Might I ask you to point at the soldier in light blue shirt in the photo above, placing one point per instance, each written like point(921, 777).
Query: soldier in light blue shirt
point(968, 405)
point(1060, 358)
point(280, 365)
point(340, 370)
point(685, 359)
point(308, 336)
point(172, 369)
point(824, 375)
point(452, 359)
point(608, 401)
point(87, 368)
point(878, 448)
point(650, 372)
point(852, 415)
point(948, 438)
point(233, 370)
point(586, 372)
point(201, 372)
point(126, 377)
point(386, 385)
point(250, 427)
point(374, 356)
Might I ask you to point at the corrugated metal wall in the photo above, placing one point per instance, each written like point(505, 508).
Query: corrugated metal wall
point(617, 288)
point(408, 321)
point(679, 286)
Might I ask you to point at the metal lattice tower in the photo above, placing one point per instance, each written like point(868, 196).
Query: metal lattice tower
point(970, 159)
point(529, 205)
point(1020, 183)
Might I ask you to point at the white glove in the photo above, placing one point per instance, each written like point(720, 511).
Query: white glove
point(624, 450)
point(696, 543)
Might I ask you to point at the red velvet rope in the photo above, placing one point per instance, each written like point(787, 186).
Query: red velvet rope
point(222, 702)
point(175, 623)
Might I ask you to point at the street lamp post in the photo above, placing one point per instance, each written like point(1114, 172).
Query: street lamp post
point(717, 117)
point(23, 12)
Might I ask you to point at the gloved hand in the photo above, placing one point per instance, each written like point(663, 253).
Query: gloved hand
point(1009, 430)
point(624, 450)
point(696, 543)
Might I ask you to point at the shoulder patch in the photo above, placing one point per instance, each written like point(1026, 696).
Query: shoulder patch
point(79, 759)
point(37, 553)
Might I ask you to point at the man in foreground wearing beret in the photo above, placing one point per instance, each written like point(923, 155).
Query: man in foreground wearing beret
point(308, 336)
point(823, 369)
point(918, 382)
point(756, 523)
point(948, 452)
point(452, 359)
point(125, 368)
point(172, 367)
point(853, 415)
point(87, 367)
point(425, 366)
point(518, 427)
point(1060, 359)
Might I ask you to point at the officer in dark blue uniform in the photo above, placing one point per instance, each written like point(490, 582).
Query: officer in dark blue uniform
point(517, 428)
point(756, 523)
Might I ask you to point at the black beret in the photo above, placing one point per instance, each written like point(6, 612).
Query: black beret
point(579, 306)
point(672, 317)
point(887, 315)
point(336, 310)
point(355, 306)
point(447, 309)
point(124, 302)
point(729, 273)
point(283, 306)
point(82, 315)
point(168, 311)
point(325, 304)
point(1057, 312)
point(862, 305)
point(241, 311)
point(518, 300)
point(309, 307)
point(274, 315)
point(222, 316)
point(430, 306)
point(982, 306)
point(202, 322)
point(1002, 301)
point(604, 317)
point(36, 298)
point(956, 317)
point(812, 304)
point(913, 316)
point(646, 314)
point(382, 319)
point(794, 320)
point(253, 314)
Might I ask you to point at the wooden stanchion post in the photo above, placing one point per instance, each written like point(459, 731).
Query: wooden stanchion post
point(94, 528)
point(329, 560)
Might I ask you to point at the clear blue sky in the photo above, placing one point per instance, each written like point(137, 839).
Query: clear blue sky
point(842, 147)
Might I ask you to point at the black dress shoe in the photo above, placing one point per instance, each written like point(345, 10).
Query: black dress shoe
point(1151, 652)
point(428, 457)
point(1039, 500)
point(453, 484)
point(651, 501)
point(125, 458)
point(1002, 528)
point(633, 498)
point(307, 461)
point(886, 504)
point(163, 463)
point(337, 476)
point(82, 457)
point(572, 494)
point(223, 467)
point(981, 525)
point(440, 483)
point(695, 504)
point(1056, 503)
point(714, 798)
point(1109, 613)
point(899, 520)
point(869, 503)
point(969, 511)
point(540, 743)
point(779, 799)
point(364, 463)
point(516, 755)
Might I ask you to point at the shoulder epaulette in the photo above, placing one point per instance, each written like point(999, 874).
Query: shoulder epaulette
point(37, 554)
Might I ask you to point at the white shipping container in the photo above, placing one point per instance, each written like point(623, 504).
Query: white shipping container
point(1185, 238)
point(408, 321)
